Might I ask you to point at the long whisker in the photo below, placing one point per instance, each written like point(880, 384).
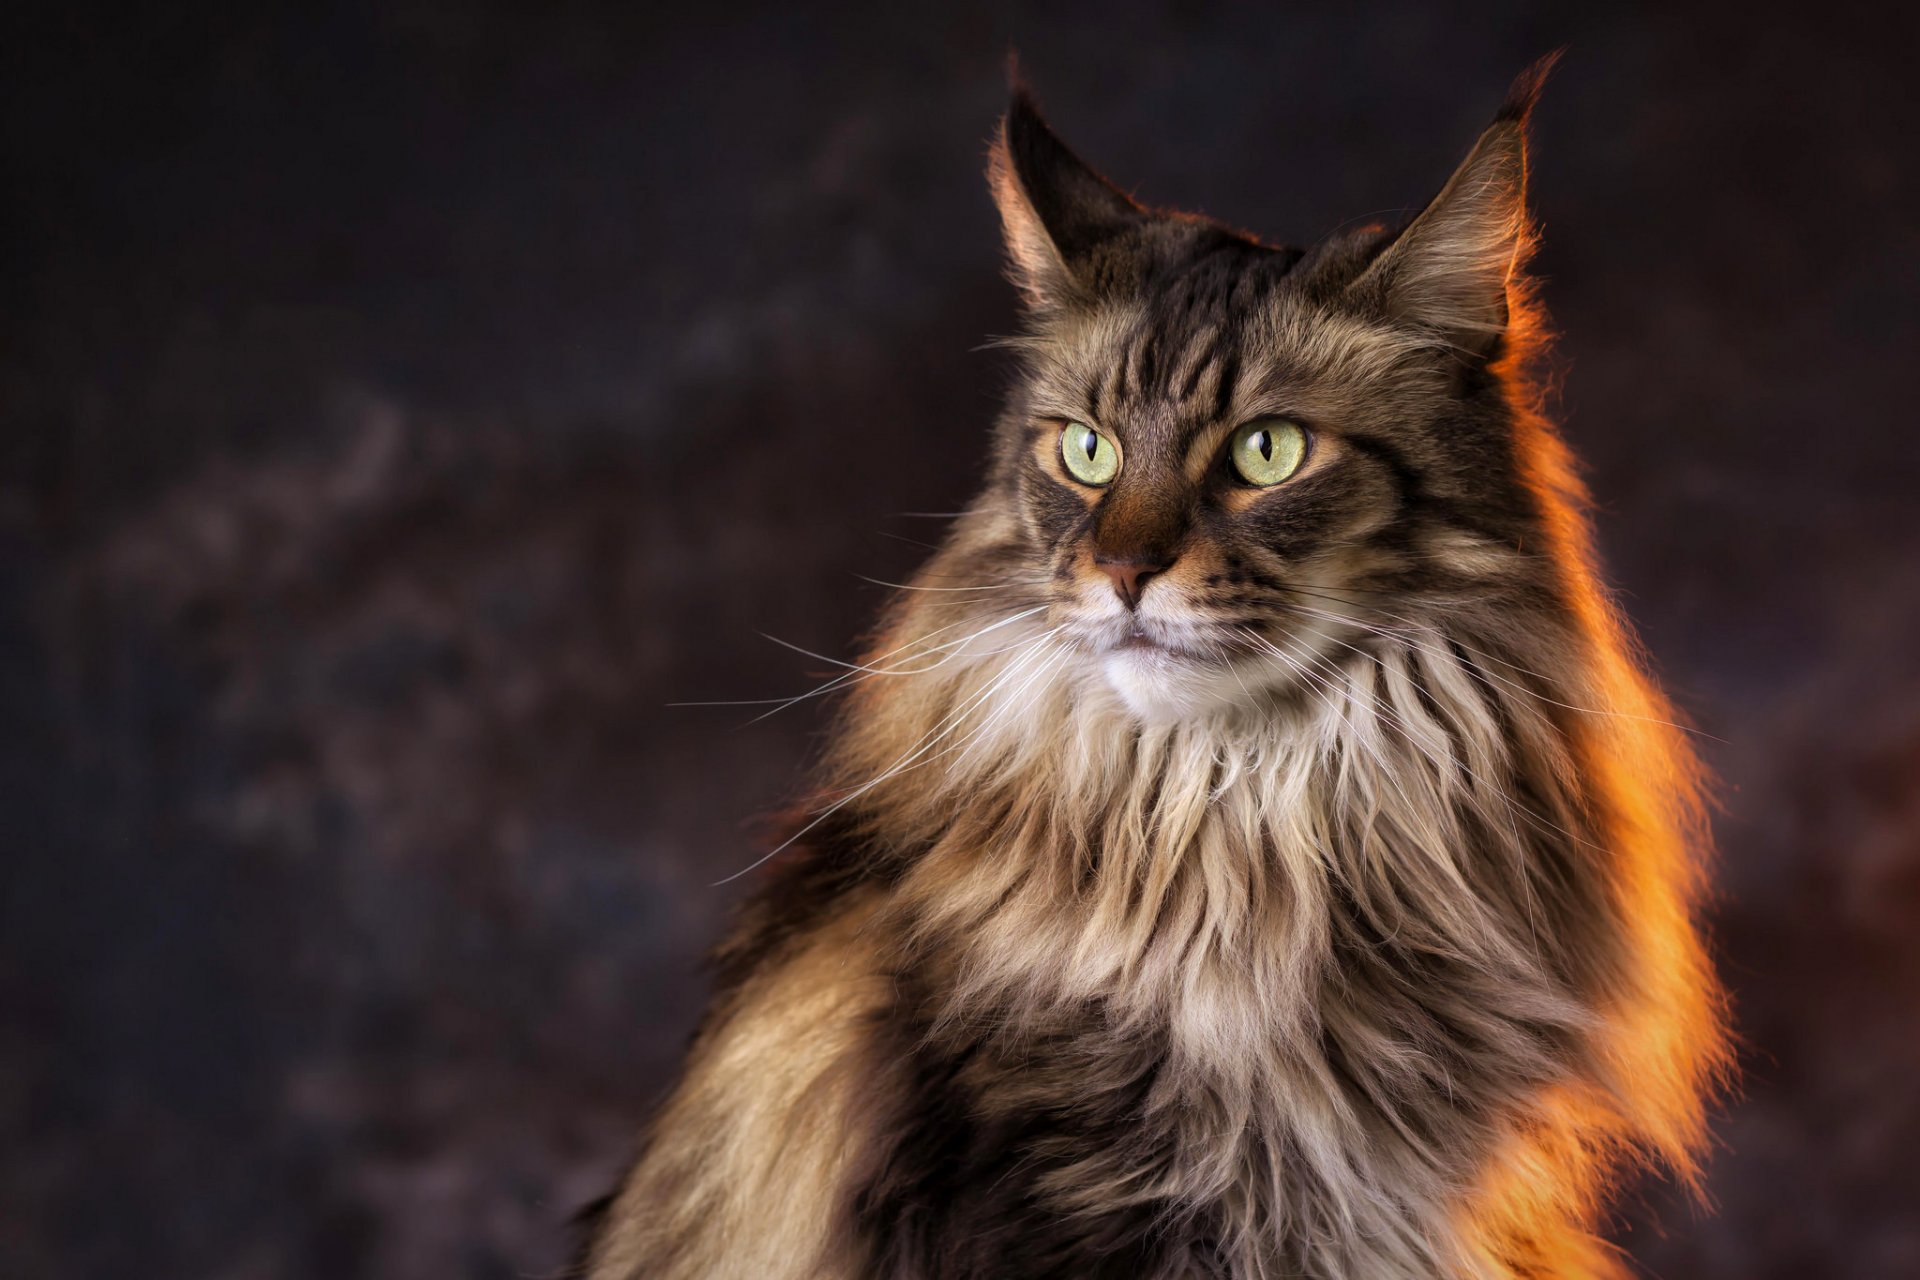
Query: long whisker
point(994, 586)
point(857, 672)
point(912, 542)
point(1047, 666)
point(954, 648)
point(873, 670)
point(1373, 607)
point(1334, 696)
point(945, 727)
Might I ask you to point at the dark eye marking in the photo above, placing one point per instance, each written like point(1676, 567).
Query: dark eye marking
point(1411, 489)
point(1057, 508)
point(1406, 477)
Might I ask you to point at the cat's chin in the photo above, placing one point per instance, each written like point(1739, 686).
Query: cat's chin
point(1161, 687)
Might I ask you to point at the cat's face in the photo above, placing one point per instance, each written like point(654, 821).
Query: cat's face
point(1231, 459)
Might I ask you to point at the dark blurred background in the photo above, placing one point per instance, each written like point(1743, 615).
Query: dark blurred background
point(404, 404)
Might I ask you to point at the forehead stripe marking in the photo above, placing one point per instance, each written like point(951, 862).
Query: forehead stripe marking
point(1226, 383)
point(1201, 354)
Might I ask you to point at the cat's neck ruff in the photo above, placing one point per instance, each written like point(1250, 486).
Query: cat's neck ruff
point(1177, 869)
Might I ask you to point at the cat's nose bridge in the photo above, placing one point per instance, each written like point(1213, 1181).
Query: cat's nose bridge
point(1145, 518)
point(1138, 533)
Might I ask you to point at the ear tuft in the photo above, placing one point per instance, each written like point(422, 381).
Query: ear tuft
point(1449, 271)
point(1525, 92)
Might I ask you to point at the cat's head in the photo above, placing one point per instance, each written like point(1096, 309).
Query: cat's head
point(1225, 455)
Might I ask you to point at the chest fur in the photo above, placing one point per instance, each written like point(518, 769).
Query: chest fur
point(1243, 994)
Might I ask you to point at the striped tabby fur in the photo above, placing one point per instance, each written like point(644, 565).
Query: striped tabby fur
point(1326, 910)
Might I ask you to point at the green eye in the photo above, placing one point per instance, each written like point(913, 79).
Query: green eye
point(1089, 456)
point(1267, 451)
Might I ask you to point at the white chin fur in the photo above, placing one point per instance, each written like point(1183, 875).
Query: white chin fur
point(1160, 687)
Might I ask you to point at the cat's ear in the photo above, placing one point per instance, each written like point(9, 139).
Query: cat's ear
point(1450, 270)
point(1057, 212)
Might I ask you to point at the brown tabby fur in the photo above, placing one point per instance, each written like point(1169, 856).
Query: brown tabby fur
point(1326, 911)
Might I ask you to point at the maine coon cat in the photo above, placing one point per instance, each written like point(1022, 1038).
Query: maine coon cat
point(1252, 848)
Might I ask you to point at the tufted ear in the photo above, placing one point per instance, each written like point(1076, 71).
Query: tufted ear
point(1056, 211)
point(1449, 271)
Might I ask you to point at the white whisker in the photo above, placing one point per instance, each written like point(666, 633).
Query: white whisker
point(946, 726)
point(995, 586)
point(857, 672)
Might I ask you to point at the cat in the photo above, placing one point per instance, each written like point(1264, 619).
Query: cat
point(1253, 847)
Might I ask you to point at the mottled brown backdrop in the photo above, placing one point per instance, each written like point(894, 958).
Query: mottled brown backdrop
point(403, 404)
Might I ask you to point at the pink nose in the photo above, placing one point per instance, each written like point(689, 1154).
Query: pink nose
point(1129, 575)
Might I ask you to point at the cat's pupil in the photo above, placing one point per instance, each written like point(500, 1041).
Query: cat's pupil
point(1263, 441)
point(1089, 442)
